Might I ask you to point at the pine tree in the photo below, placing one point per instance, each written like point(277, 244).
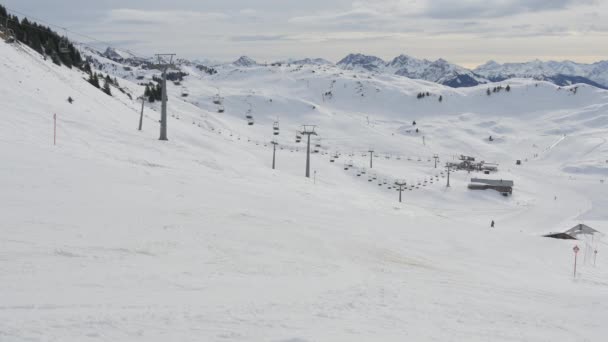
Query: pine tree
point(106, 87)
point(440, 98)
point(508, 88)
point(488, 92)
point(94, 80)
point(86, 67)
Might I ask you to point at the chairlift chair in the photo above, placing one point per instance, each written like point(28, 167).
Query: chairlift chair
point(63, 45)
point(221, 109)
point(11, 37)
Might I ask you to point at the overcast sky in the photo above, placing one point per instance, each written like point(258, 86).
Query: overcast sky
point(467, 32)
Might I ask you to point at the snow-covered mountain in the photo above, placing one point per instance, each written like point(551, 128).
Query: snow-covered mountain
point(566, 71)
point(310, 61)
point(117, 54)
point(245, 61)
point(439, 71)
point(111, 234)
point(357, 61)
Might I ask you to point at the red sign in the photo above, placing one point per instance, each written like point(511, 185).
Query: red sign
point(575, 249)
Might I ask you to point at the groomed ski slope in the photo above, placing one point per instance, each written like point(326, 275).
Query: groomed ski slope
point(112, 235)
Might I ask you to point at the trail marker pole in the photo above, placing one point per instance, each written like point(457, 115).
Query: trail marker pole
point(436, 156)
point(54, 129)
point(594, 257)
point(141, 116)
point(274, 152)
point(371, 158)
point(575, 249)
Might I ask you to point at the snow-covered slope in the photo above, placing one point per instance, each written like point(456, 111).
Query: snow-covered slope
point(114, 235)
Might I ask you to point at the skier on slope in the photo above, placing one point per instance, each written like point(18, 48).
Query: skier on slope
point(492, 224)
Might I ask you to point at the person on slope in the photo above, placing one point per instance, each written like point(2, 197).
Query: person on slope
point(492, 224)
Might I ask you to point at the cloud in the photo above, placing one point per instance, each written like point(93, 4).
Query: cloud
point(254, 38)
point(449, 9)
point(381, 14)
point(137, 16)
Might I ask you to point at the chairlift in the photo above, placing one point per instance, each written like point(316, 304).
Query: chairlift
point(275, 128)
point(63, 46)
point(11, 37)
point(221, 109)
